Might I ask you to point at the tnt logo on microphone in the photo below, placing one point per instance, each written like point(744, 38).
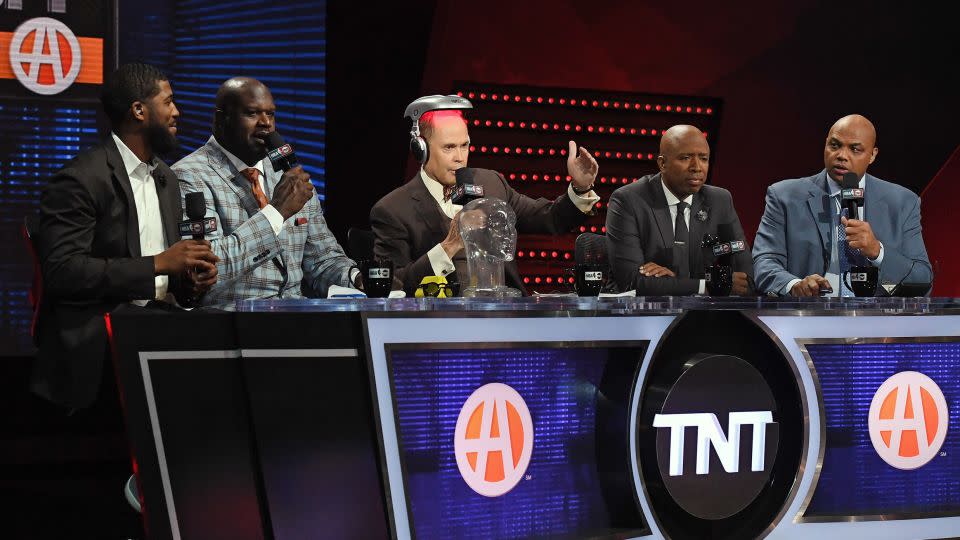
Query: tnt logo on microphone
point(908, 420)
point(493, 439)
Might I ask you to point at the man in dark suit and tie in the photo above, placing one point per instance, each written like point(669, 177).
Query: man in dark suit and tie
point(108, 236)
point(414, 225)
point(655, 225)
point(804, 242)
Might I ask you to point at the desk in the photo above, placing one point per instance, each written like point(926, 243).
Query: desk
point(574, 417)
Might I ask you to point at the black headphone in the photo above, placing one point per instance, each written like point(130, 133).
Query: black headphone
point(418, 145)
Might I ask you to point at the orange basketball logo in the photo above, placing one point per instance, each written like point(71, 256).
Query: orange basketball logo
point(908, 420)
point(493, 439)
point(46, 57)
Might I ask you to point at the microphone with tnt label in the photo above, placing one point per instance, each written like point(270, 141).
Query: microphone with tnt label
point(196, 225)
point(281, 154)
point(851, 195)
point(719, 275)
point(465, 190)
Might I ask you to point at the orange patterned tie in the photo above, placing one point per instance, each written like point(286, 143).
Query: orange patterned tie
point(253, 175)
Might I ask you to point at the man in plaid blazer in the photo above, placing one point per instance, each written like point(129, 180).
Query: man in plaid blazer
point(271, 235)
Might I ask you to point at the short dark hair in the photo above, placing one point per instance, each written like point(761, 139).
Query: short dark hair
point(129, 83)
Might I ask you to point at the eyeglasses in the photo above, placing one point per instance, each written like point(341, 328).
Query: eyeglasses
point(434, 289)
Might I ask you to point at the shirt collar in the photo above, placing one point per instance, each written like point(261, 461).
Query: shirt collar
point(237, 162)
point(834, 186)
point(130, 160)
point(672, 199)
point(435, 188)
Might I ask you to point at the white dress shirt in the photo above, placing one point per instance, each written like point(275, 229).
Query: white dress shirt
point(672, 202)
point(145, 199)
point(439, 260)
point(833, 270)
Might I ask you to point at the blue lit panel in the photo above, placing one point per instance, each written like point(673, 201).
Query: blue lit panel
point(563, 492)
point(854, 479)
point(38, 138)
point(283, 44)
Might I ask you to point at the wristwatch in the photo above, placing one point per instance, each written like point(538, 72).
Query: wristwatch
point(581, 192)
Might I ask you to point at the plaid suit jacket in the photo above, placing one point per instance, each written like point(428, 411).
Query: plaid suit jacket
point(255, 262)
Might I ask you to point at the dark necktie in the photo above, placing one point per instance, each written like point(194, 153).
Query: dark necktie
point(681, 242)
point(846, 255)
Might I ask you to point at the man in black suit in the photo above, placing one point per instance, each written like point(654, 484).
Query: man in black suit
point(414, 226)
point(108, 236)
point(655, 226)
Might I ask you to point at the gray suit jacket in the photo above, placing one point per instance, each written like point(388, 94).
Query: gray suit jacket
point(794, 239)
point(639, 229)
point(408, 222)
point(255, 262)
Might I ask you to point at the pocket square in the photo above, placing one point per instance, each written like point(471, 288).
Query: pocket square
point(299, 221)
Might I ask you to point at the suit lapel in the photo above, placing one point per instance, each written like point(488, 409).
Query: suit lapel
point(821, 209)
point(874, 205)
point(426, 206)
point(661, 212)
point(121, 179)
point(232, 177)
point(168, 194)
point(696, 232)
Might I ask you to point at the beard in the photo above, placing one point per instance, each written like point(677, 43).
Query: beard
point(160, 139)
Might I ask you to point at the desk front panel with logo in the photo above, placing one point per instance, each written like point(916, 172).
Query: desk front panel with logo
point(621, 418)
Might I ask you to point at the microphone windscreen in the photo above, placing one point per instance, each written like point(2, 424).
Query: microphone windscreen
point(464, 175)
point(195, 205)
point(725, 232)
point(590, 248)
point(274, 140)
point(850, 181)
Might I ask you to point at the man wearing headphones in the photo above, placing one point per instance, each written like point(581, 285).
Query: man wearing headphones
point(414, 225)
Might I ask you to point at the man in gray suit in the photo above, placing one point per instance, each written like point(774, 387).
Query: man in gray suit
point(655, 226)
point(271, 233)
point(799, 249)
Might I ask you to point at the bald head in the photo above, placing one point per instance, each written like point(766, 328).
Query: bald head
point(674, 137)
point(859, 124)
point(243, 118)
point(851, 146)
point(684, 160)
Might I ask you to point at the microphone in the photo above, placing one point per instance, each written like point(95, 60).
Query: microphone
point(281, 154)
point(196, 225)
point(726, 245)
point(719, 275)
point(851, 196)
point(465, 190)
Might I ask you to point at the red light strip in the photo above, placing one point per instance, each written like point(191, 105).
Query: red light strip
point(581, 102)
point(540, 151)
point(549, 280)
point(537, 177)
point(566, 127)
point(545, 254)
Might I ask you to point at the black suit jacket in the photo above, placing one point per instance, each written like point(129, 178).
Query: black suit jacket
point(408, 222)
point(640, 229)
point(89, 247)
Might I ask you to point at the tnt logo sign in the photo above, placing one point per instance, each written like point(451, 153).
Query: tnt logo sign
point(908, 420)
point(593, 276)
point(493, 439)
point(710, 433)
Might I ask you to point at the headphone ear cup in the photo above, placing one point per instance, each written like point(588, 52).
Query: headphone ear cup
point(419, 149)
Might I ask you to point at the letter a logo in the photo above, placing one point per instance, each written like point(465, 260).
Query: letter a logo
point(493, 439)
point(45, 56)
point(908, 420)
